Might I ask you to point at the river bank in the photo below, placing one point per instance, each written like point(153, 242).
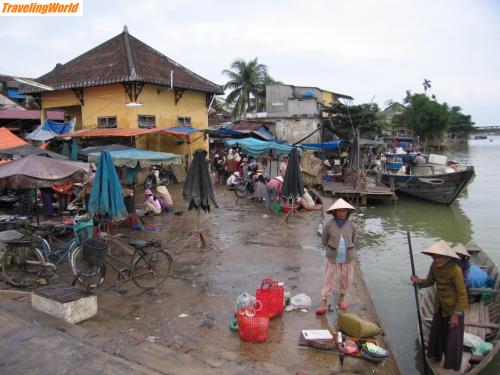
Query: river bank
point(193, 308)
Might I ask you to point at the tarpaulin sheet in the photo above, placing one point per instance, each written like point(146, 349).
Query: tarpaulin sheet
point(9, 139)
point(57, 127)
point(40, 171)
point(330, 145)
point(29, 150)
point(255, 147)
point(130, 157)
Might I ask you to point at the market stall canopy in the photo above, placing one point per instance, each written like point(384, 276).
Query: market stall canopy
point(330, 145)
point(133, 156)
point(9, 139)
point(39, 171)
point(110, 132)
point(51, 129)
point(180, 131)
point(84, 152)
point(254, 147)
point(28, 149)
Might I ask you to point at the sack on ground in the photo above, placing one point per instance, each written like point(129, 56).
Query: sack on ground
point(354, 326)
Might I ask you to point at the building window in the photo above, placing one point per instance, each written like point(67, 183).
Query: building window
point(146, 121)
point(184, 120)
point(106, 122)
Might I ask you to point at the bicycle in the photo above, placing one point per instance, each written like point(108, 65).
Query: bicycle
point(148, 268)
point(243, 188)
point(24, 259)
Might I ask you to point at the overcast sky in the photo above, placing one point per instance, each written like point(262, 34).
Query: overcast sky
point(365, 49)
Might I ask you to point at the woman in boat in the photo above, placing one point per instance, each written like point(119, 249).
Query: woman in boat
point(339, 238)
point(447, 327)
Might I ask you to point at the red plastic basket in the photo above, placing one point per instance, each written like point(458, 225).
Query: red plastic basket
point(272, 297)
point(252, 326)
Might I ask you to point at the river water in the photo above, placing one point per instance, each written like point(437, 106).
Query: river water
point(383, 245)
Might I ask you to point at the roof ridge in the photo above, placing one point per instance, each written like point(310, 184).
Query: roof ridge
point(82, 55)
point(128, 53)
point(189, 71)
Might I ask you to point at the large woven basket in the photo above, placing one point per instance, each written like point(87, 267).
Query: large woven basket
point(354, 326)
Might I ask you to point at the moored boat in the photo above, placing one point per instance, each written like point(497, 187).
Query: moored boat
point(437, 180)
point(482, 317)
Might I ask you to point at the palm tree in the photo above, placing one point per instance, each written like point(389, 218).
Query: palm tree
point(427, 85)
point(245, 82)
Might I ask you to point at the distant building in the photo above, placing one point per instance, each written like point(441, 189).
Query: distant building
point(126, 85)
point(296, 110)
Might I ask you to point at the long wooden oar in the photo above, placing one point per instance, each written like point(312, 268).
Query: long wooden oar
point(422, 344)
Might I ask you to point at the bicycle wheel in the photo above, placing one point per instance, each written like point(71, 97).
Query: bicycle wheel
point(241, 190)
point(87, 275)
point(22, 266)
point(152, 268)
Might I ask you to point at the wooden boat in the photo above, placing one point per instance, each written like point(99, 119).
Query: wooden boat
point(433, 181)
point(482, 318)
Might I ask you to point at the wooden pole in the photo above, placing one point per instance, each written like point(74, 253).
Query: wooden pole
point(422, 343)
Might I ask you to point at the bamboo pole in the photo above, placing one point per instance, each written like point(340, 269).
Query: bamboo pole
point(422, 343)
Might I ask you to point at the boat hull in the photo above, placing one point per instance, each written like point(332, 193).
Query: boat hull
point(440, 188)
point(481, 321)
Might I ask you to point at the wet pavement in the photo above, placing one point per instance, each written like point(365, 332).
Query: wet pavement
point(184, 327)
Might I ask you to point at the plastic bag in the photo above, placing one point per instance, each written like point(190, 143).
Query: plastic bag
point(472, 341)
point(301, 301)
point(243, 300)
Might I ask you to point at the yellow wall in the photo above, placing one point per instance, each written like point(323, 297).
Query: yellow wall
point(328, 98)
point(110, 100)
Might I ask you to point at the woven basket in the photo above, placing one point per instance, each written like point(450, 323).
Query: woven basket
point(354, 326)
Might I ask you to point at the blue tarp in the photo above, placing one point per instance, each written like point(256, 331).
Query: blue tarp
point(57, 127)
point(325, 145)
point(74, 149)
point(133, 156)
point(106, 197)
point(254, 147)
point(49, 130)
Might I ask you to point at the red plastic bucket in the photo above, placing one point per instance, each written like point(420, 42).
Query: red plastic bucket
point(252, 326)
point(272, 297)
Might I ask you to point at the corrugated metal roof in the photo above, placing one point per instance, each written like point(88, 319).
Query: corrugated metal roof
point(29, 114)
point(113, 132)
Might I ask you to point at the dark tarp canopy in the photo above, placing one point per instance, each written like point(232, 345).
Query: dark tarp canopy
point(33, 171)
point(198, 190)
point(29, 150)
point(293, 186)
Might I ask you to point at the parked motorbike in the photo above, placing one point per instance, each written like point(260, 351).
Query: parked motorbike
point(159, 176)
point(243, 188)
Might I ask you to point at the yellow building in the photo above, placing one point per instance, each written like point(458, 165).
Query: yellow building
point(124, 84)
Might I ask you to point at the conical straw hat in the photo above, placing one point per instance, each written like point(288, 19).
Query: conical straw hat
point(162, 189)
point(440, 248)
point(339, 203)
point(460, 250)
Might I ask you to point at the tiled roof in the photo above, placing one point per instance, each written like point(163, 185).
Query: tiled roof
point(123, 58)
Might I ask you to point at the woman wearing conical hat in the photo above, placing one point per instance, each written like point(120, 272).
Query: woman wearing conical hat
point(447, 327)
point(339, 238)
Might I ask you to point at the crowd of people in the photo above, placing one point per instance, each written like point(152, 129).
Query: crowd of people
point(232, 167)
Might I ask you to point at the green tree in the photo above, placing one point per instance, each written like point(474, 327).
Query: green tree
point(460, 123)
point(245, 83)
point(426, 84)
point(344, 120)
point(426, 117)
